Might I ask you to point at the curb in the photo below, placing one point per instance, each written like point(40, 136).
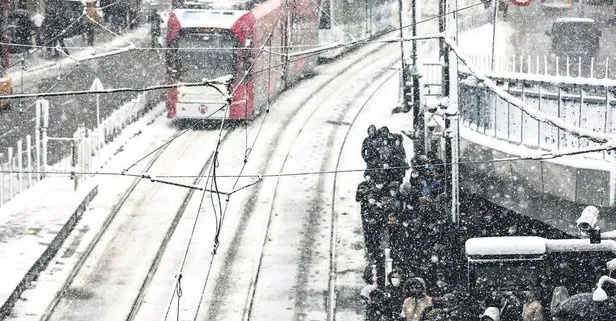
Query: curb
point(42, 262)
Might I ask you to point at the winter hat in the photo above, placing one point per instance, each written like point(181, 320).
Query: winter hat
point(372, 128)
point(492, 313)
point(394, 185)
point(394, 271)
point(383, 132)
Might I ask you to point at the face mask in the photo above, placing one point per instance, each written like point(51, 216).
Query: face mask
point(395, 281)
point(372, 201)
point(379, 186)
point(397, 143)
point(392, 193)
point(414, 174)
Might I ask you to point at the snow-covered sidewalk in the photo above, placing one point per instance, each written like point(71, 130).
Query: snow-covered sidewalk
point(32, 228)
point(51, 215)
point(105, 44)
point(36, 225)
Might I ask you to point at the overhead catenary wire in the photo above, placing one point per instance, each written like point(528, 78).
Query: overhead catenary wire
point(211, 177)
point(204, 82)
point(251, 72)
point(536, 157)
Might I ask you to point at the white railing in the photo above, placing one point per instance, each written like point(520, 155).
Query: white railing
point(589, 67)
point(23, 166)
point(583, 106)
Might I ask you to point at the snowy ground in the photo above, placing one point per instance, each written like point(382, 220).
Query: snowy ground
point(291, 216)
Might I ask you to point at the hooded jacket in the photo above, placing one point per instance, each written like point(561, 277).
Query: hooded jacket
point(492, 313)
point(532, 311)
point(413, 308)
point(395, 293)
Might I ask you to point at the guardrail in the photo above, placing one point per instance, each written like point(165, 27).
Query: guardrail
point(22, 167)
point(590, 67)
point(592, 108)
point(573, 99)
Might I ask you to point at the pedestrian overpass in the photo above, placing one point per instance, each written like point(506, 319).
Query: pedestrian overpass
point(506, 153)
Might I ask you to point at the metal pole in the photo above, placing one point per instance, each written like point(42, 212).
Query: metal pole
point(11, 184)
point(496, 3)
point(6, 6)
point(452, 111)
point(402, 62)
point(418, 116)
point(612, 199)
point(29, 158)
point(20, 165)
point(98, 122)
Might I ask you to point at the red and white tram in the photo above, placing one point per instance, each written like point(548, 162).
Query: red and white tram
point(207, 40)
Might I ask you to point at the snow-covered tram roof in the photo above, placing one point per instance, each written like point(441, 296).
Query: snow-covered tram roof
point(506, 245)
point(206, 18)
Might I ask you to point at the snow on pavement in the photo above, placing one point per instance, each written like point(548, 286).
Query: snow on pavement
point(136, 140)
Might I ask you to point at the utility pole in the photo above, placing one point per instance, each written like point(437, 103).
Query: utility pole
point(418, 115)
point(448, 24)
point(453, 129)
point(496, 2)
point(6, 5)
point(403, 71)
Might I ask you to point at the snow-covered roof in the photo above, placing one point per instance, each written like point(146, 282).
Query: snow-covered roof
point(506, 245)
point(196, 18)
point(574, 20)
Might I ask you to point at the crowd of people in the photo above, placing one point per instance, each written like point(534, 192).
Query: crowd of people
point(408, 214)
point(66, 19)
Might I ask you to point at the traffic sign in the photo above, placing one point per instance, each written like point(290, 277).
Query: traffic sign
point(97, 85)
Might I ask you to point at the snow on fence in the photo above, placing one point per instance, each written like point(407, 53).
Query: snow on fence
point(546, 65)
point(27, 163)
point(583, 106)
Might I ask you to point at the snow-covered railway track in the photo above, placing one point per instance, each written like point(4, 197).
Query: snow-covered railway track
point(290, 275)
point(111, 277)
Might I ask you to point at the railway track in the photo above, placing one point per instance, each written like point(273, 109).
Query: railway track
point(104, 275)
point(272, 198)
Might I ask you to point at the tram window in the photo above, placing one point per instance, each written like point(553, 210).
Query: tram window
point(325, 21)
point(206, 56)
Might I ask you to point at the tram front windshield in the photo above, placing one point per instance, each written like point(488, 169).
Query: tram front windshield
point(206, 56)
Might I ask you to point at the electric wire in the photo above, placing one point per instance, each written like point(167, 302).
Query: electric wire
point(250, 72)
point(537, 157)
point(215, 182)
point(213, 166)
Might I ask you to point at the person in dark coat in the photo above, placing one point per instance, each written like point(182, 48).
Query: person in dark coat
point(362, 190)
point(380, 181)
point(369, 148)
point(395, 292)
point(398, 168)
point(54, 27)
point(397, 240)
point(377, 307)
point(374, 226)
point(155, 28)
point(399, 147)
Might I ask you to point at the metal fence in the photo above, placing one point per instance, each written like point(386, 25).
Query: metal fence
point(583, 106)
point(23, 166)
point(546, 65)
